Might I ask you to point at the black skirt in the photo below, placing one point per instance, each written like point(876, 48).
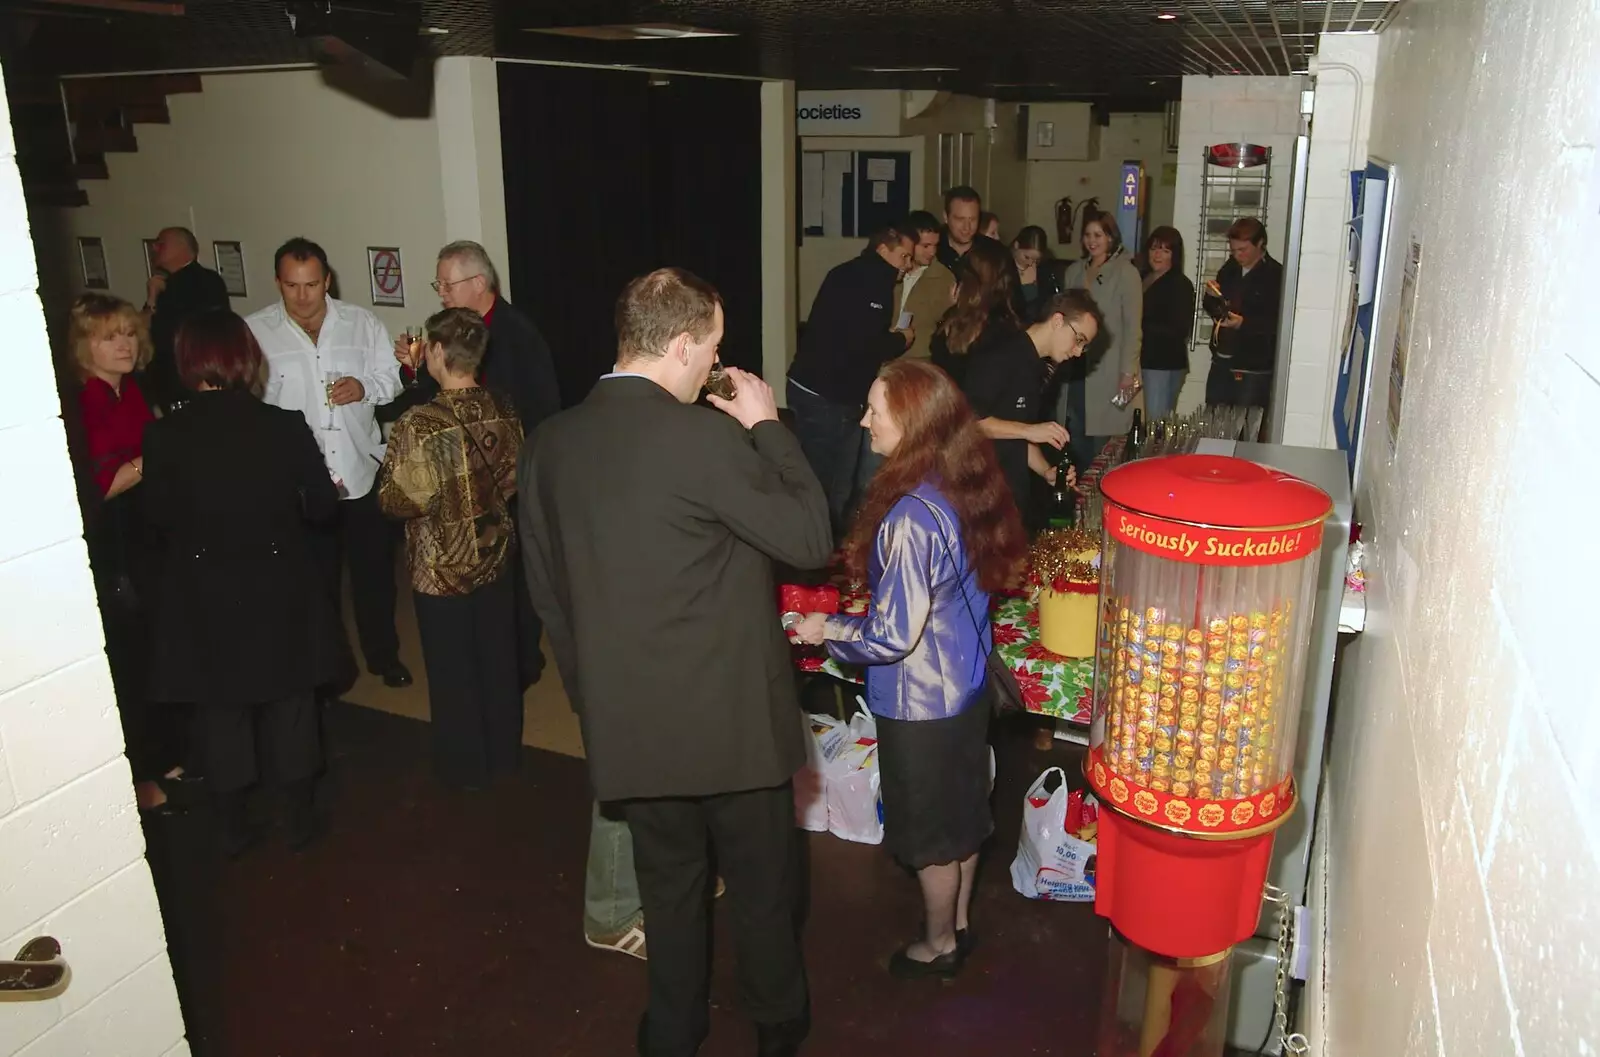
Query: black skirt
point(935, 785)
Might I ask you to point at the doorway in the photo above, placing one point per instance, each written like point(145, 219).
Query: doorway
point(612, 173)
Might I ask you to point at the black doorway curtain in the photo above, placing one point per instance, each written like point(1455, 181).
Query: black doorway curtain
point(608, 176)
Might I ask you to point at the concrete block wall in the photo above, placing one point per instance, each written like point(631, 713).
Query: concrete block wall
point(71, 853)
point(1341, 119)
point(1464, 860)
point(1263, 110)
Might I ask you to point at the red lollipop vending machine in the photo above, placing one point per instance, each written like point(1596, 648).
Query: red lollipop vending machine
point(1208, 577)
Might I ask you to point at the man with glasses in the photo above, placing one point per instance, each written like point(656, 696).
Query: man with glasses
point(1004, 384)
point(517, 365)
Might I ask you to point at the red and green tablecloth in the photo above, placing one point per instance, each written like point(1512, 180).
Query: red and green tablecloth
point(1052, 685)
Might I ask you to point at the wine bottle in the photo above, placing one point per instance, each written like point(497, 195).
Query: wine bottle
point(1061, 508)
point(1136, 435)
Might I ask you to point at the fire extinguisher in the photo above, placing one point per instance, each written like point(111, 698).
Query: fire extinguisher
point(1064, 221)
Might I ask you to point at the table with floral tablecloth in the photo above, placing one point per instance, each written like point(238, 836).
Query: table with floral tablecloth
point(1052, 685)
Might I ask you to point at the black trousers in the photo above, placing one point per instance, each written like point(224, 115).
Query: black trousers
point(530, 654)
point(361, 534)
point(758, 855)
point(469, 648)
point(288, 729)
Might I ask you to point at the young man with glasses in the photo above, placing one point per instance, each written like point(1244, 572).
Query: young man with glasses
point(1004, 384)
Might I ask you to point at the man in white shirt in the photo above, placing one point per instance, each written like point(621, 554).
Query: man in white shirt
point(334, 363)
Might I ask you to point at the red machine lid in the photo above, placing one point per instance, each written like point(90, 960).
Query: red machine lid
point(1215, 490)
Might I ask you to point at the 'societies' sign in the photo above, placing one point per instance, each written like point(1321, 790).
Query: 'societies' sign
point(1212, 546)
point(871, 112)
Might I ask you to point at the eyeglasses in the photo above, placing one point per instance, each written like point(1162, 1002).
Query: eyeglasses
point(1082, 342)
point(439, 287)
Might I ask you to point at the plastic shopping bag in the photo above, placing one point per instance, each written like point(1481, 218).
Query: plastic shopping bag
point(1056, 851)
point(825, 737)
point(855, 804)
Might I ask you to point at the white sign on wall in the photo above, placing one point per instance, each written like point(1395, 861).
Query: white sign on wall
point(871, 112)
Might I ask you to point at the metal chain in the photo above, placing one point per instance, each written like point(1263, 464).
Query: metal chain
point(1293, 1043)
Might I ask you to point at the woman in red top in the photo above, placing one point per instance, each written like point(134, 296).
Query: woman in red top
point(109, 341)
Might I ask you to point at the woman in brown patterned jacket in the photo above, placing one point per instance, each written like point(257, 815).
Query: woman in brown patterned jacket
point(450, 473)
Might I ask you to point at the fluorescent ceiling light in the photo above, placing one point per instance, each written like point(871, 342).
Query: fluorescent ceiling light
point(1166, 16)
point(909, 69)
point(639, 31)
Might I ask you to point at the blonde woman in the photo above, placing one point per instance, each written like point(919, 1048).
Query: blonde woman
point(109, 342)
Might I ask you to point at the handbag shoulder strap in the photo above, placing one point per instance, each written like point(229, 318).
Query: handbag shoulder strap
point(465, 429)
point(961, 581)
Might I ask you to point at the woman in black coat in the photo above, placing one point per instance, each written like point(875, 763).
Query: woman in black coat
point(1039, 274)
point(1168, 322)
point(242, 625)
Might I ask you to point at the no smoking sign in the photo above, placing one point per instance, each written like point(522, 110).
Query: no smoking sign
point(386, 275)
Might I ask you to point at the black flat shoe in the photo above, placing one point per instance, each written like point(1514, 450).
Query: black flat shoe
point(965, 941)
point(904, 967)
point(395, 676)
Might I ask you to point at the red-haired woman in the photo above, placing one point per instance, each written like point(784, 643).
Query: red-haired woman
point(243, 625)
point(935, 535)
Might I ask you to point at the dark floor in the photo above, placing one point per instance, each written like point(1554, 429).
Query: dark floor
point(431, 922)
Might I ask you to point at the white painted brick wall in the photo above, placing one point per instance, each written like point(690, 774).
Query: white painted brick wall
point(1262, 110)
point(71, 853)
point(1342, 117)
point(1464, 863)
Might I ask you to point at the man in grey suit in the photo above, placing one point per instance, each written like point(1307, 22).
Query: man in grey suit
point(649, 526)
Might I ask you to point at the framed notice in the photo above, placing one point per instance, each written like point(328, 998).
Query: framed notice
point(149, 257)
point(92, 258)
point(383, 268)
point(1402, 339)
point(230, 265)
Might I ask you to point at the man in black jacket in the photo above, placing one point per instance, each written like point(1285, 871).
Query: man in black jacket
point(517, 364)
point(850, 333)
point(963, 216)
point(178, 288)
point(1245, 342)
point(649, 526)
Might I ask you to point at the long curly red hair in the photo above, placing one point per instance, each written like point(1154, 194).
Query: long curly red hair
point(940, 441)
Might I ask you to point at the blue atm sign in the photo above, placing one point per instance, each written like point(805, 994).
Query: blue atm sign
point(1130, 203)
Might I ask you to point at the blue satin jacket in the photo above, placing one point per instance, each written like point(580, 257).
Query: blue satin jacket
point(925, 638)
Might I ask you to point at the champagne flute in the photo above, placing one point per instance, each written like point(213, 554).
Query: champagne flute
point(329, 380)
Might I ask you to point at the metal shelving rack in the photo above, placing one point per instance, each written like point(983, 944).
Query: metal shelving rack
point(1235, 179)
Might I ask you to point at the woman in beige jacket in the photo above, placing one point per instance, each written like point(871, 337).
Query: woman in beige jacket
point(1084, 405)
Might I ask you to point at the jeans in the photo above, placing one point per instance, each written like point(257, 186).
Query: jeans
point(1161, 389)
point(830, 436)
point(1238, 388)
point(867, 463)
point(611, 889)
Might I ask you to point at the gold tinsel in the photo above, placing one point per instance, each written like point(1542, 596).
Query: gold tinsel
point(1058, 555)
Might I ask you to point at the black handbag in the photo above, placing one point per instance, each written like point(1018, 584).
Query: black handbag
point(1005, 693)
